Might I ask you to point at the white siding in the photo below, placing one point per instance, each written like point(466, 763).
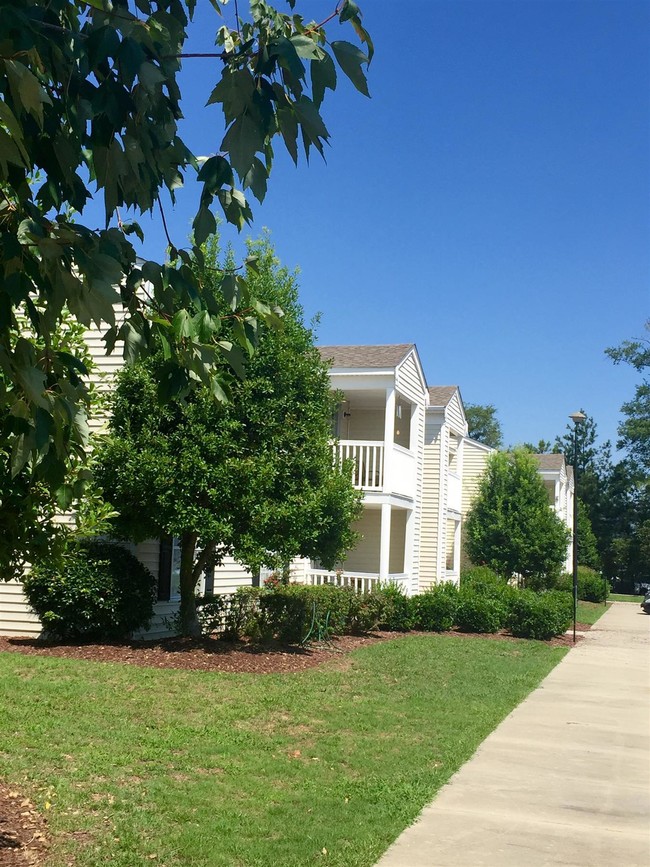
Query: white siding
point(230, 576)
point(16, 617)
point(419, 421)
point(408, 381)
point(455, 415)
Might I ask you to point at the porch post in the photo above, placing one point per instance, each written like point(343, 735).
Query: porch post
point(384, 544)
point(389, 436)
point(408, 550)
point(457, 548)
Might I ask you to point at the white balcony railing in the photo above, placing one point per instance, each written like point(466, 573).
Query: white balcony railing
point(368, 458)
point(361, 582)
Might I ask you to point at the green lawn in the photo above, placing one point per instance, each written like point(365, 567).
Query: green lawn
point(589, 612)
point(622, 597)
point(223, 770)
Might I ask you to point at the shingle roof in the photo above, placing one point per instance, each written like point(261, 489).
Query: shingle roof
point(388, 355)
point(550, 461)
point(440, 395)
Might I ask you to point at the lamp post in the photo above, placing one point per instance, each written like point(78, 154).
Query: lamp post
point(577, 418)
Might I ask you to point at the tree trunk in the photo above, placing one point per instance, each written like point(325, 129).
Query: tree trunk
point(189, 622)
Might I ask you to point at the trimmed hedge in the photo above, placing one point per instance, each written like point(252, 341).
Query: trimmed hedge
point(540, 615)
point(481, 612)
point(103, 593)
point(436, 609)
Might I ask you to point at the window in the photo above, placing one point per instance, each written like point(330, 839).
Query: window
point(402, 435)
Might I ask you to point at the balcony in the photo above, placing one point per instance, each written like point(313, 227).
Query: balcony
point(368, 473)
point(368, 459)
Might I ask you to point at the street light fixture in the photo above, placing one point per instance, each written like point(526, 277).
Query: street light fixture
point(577, 418)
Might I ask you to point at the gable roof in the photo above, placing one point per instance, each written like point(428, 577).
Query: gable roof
point(440, 395)
point(388, 355)
point(550, 461)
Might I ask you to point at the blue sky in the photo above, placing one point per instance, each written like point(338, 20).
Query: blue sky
point(490, 203)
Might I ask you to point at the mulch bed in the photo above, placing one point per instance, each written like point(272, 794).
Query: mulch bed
point(210, 654)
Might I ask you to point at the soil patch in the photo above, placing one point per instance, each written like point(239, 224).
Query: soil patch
point(24, 839)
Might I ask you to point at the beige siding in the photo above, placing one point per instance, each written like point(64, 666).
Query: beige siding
point(430, 514)
point(229, 577)
point(363, 424)
point(16, 617)
point(475, 457)
point(365, 556)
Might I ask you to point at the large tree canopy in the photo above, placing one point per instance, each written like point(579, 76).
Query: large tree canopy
point(90, 105)
point(483, 424)
point(634, 430)
point(511, 527)
point(253, 478)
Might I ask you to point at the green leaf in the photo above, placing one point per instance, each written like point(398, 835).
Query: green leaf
point(235, 92)
point(256, 178)
point(350, 58)
point(348, 10)
point(182, 325)
point(216, 173)
point(64, 497)
point(20, 454)
point(242, 141)
point(306, 47)
point(204, 225)
point(285, 51)
point(323, 75)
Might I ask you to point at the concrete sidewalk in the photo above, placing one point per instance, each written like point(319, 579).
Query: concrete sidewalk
point(565, 779)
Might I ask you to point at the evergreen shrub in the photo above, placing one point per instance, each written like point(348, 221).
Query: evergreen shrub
point(100, 592)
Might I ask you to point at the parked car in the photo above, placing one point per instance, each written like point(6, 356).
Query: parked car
point(646, 603)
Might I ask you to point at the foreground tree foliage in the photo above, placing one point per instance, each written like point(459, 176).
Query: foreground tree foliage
point(510, 527)
point(90, 105)
point(253, 478)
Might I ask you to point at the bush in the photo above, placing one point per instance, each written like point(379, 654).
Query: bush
point(481, 612)
point(540, 615)
point(397, 610)
point(242, 616)
point(592, 587)
point(481, 578)
point(102, 592)
point(435, 609)
point(212, 611)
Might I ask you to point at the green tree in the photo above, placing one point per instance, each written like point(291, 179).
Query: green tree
point(588, 554)
point(634, 430)
point(511, 527)
point(543, 447)
point(90, 107)
point(253, 478)
point(483, 424)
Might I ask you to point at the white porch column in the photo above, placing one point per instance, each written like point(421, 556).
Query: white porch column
point(457, 548)
point(389, 436)
point(408, 550)
point(384, 544)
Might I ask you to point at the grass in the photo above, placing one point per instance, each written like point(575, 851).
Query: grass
point(590, 612)
point(623, 597)
point(220, 770)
